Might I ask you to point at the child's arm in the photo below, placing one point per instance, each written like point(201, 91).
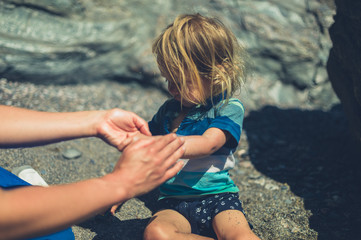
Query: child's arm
point(201, 146)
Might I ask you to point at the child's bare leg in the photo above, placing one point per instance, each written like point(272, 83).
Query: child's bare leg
point(232, 225)
point(169, 224)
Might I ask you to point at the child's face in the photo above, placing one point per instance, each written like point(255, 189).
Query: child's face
point(193, 94)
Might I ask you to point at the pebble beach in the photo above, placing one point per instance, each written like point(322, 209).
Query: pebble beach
point(296, 168)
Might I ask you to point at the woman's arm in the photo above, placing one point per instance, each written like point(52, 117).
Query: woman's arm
point(33, 211)
point(201, 146)
point(23, 127)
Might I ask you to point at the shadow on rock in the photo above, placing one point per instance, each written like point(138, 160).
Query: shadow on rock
point(312, 152)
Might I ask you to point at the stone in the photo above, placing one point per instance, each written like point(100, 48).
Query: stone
point(71, 153)
point(260, 181)
point(271, 186)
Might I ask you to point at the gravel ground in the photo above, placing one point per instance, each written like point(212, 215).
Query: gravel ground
point(297, 169)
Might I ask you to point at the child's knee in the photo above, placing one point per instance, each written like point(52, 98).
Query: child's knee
point(156, 231)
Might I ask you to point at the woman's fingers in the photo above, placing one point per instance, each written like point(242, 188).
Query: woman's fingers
point(148, 162)
point(172, 171)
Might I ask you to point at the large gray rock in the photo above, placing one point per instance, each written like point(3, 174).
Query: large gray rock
point(78, 41)
point(345, 60)
point(72, 41)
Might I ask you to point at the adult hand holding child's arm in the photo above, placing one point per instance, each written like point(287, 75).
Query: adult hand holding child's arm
point(31, 211)
point(148, 174)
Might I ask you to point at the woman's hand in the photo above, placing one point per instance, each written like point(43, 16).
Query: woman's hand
point(118, 127)
point(148, 162)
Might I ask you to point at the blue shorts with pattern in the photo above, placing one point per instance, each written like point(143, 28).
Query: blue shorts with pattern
point(201, 211)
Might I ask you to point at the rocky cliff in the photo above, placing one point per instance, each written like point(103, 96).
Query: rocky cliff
point(80, 41)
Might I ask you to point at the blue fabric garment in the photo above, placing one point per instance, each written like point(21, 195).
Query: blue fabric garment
point(66, 234)
point(8, 181)
point(208, 175)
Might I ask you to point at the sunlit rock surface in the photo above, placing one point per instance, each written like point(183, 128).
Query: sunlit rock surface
point(80, 41)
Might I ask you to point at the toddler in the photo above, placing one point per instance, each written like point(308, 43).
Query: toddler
point(202, 62)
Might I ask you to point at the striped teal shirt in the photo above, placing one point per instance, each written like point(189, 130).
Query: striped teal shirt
point(207, 175)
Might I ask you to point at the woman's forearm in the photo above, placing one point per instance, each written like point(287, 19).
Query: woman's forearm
point(21, 127)
point(42, 210)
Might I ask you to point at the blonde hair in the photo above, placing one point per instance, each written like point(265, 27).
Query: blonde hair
point(197, 48)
